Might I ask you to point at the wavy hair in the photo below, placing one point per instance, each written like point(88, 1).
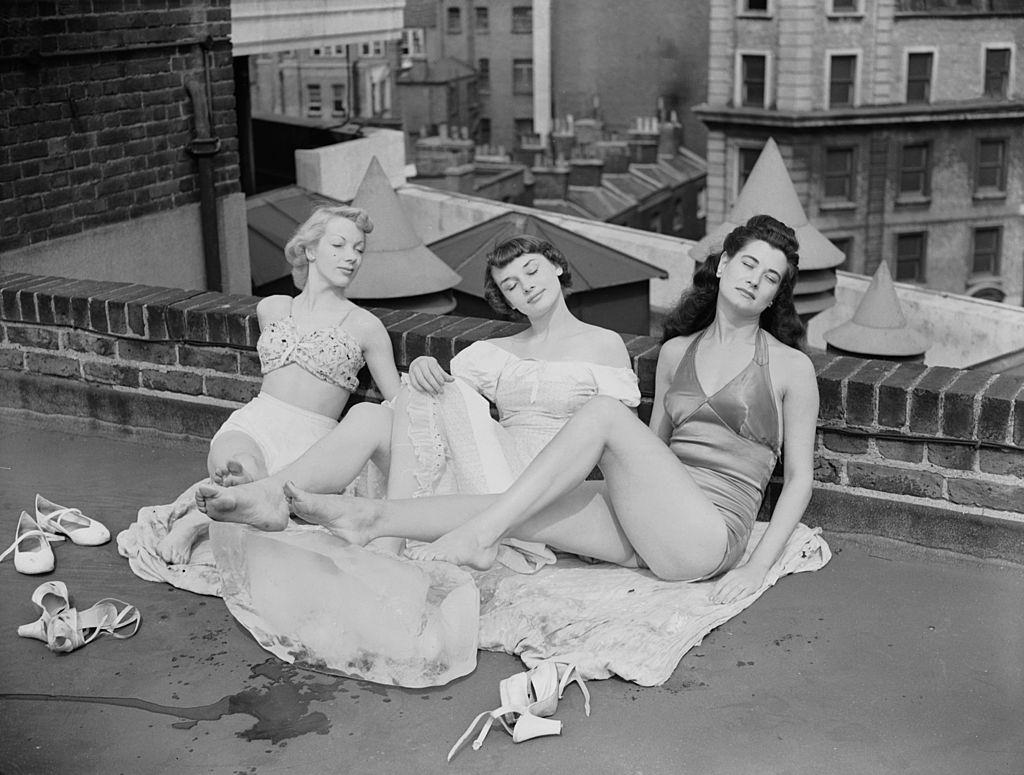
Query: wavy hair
point(696, 308)
point(310, 232)
point(507, 251)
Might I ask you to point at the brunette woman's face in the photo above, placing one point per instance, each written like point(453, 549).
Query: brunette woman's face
point(337, 255)
point(529, 283)
point(752, 278)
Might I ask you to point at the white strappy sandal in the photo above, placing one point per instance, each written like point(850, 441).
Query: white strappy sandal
point(31, 547)
point(527, 701)
point(52, 599)
point(82, 530)
point(72, 629)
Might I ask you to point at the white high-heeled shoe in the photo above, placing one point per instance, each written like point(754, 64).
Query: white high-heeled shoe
point(31, 547)
point(527, 700)
point(82, 530)
point(72, 629)
point(52, 598)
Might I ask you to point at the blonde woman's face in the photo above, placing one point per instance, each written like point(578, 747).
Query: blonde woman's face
point(529, 283)
point(338, 254)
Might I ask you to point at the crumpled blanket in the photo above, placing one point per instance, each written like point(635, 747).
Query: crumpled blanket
point(609, 620)
point(139, 541)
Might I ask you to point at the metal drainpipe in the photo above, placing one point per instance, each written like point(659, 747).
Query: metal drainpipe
point(204, 146)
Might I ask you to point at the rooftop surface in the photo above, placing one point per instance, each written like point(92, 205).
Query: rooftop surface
point(891, 659)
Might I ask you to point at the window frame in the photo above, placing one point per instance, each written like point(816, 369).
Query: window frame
point(850, 240)
point(858, 9)
point(985, 48)
point(925, 191)
point(997, 190)
point(907, 53)
point(922, 260)
point(483, 75)
point(740, 151)
point(830, 55)
point(744, 11)
point(850, 197)
point(997, 254)
point(314, 107)
point(738, 86)
point(516, 65)
point(452, 13)
point(335, 87)
point(517, 27)
point(485, 28)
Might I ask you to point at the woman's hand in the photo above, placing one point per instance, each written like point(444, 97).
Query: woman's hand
point(427, 376)
point(738, 583)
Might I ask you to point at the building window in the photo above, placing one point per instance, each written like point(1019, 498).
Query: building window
point(839, 174)
point(845, 245)
point(522, 76)
point(378, 48)
point(338, 99)
point(845, 6)
point(314, 100)
point(754, 7)
point(522, 19)
point(987, 245)
point(453, 21)
point(482, 19)
point(412, 42)
point(910, 257)
point(990, 166)
point(746, 158)
point(753, 80)
point(316, 52)
point(919, 76)
point(524, 129)
point(364, 49)
point(483, 131)
point(483, 74)
point(842, 80)
point(914, 169)
point(997, 72)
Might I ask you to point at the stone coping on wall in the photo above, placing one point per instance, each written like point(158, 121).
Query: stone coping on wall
point(927, 439)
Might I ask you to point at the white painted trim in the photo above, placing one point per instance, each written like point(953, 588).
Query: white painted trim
point(858, 55)
point(905, 75)
point(1012, 85)
point(737, 86)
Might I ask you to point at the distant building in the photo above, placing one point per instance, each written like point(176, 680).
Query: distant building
point(899, 121)
point(537, 59)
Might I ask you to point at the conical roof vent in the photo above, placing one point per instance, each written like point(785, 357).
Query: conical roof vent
point(878, 326)
point(770, 190)
point(396, 262)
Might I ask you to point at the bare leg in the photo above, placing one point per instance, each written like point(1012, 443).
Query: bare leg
point(235, 458)
point(662, 512)
point(330, 465)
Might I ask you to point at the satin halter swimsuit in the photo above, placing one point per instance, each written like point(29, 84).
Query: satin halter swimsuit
point(330, 354)
point(729, 441)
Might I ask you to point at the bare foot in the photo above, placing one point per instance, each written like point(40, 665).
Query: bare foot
point(350, 519)
point(176, 547)
point(461, 546)
point(255, 504)
point(241, 469)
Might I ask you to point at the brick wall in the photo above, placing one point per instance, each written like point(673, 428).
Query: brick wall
point(937, 452)
point(95, 120)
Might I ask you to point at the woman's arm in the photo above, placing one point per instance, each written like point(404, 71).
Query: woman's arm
point(380, 359)
point(271, 308)
point(668, 361)
point(799, 424)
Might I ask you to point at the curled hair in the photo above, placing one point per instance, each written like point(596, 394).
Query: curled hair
point(507, 251)
point(696, 308)
point(310, 232)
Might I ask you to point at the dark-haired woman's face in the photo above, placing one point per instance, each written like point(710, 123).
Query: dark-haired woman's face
point(529, 283)
point(751, 279)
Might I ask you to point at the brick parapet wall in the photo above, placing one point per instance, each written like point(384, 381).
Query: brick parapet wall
point(180, 360)
point(96, 120)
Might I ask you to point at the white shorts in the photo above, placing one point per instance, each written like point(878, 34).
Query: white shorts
point(281, 431)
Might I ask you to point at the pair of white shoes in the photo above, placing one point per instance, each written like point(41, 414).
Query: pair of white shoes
point(528, 700)
point(32, 537)
point(63, 628)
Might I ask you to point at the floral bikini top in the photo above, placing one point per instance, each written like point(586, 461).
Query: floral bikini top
point(330, 354)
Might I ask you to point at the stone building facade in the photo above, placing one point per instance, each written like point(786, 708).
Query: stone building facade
point(899, 121)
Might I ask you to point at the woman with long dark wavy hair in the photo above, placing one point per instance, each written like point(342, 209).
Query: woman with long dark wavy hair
point(732, 388)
